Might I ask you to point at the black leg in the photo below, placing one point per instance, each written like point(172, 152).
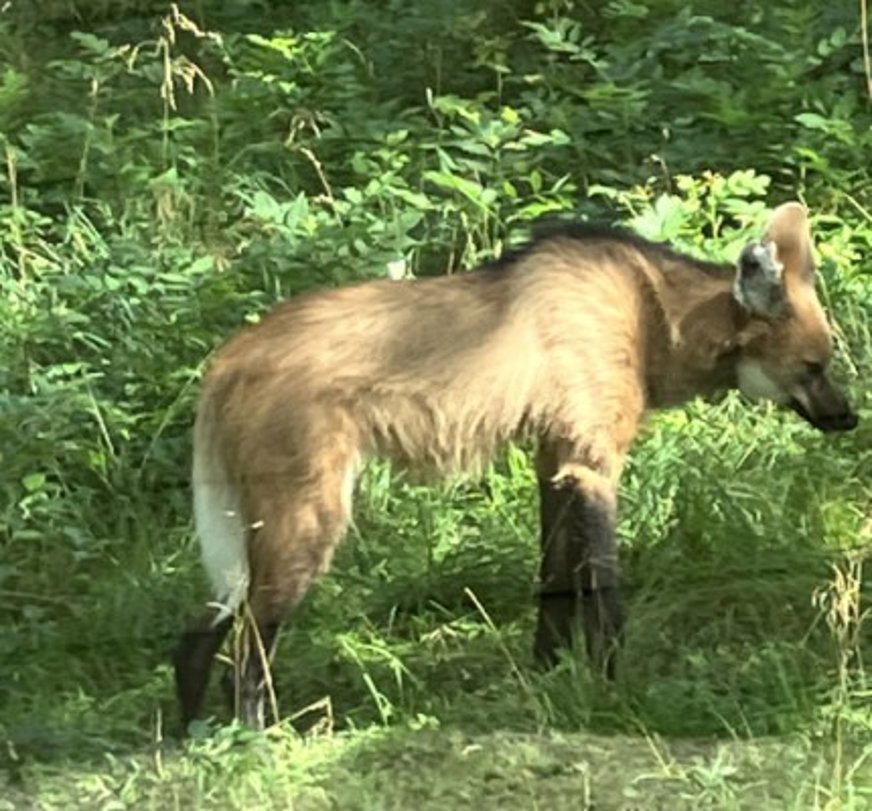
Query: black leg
point(193, 662)
point(579, 559)
point(558, 584)
point(245, 685)
point(602, 609)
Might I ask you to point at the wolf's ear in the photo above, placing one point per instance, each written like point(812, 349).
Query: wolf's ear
point(790, 232)
point(759, 283)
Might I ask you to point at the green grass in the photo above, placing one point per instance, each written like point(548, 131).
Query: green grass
point(409, 673)
point(450, 768)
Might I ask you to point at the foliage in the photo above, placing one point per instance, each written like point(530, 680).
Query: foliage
point(170, 176)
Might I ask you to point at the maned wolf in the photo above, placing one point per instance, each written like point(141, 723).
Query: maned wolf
point(571, 340)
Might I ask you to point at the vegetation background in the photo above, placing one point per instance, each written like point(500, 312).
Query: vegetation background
point(170, 172)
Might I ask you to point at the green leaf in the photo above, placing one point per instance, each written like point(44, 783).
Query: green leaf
point(33, 482)
point(91, 43)
point(813, 121)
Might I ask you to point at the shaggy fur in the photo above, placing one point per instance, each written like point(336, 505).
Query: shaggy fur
point(570, 340)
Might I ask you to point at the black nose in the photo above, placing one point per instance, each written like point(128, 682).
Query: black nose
point(847, 421)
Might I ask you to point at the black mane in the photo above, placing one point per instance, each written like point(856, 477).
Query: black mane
point(584, 231)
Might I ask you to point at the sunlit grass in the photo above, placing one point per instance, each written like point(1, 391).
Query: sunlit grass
point(426, 621)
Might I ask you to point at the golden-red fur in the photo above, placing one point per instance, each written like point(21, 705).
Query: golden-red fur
point(571, 342)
